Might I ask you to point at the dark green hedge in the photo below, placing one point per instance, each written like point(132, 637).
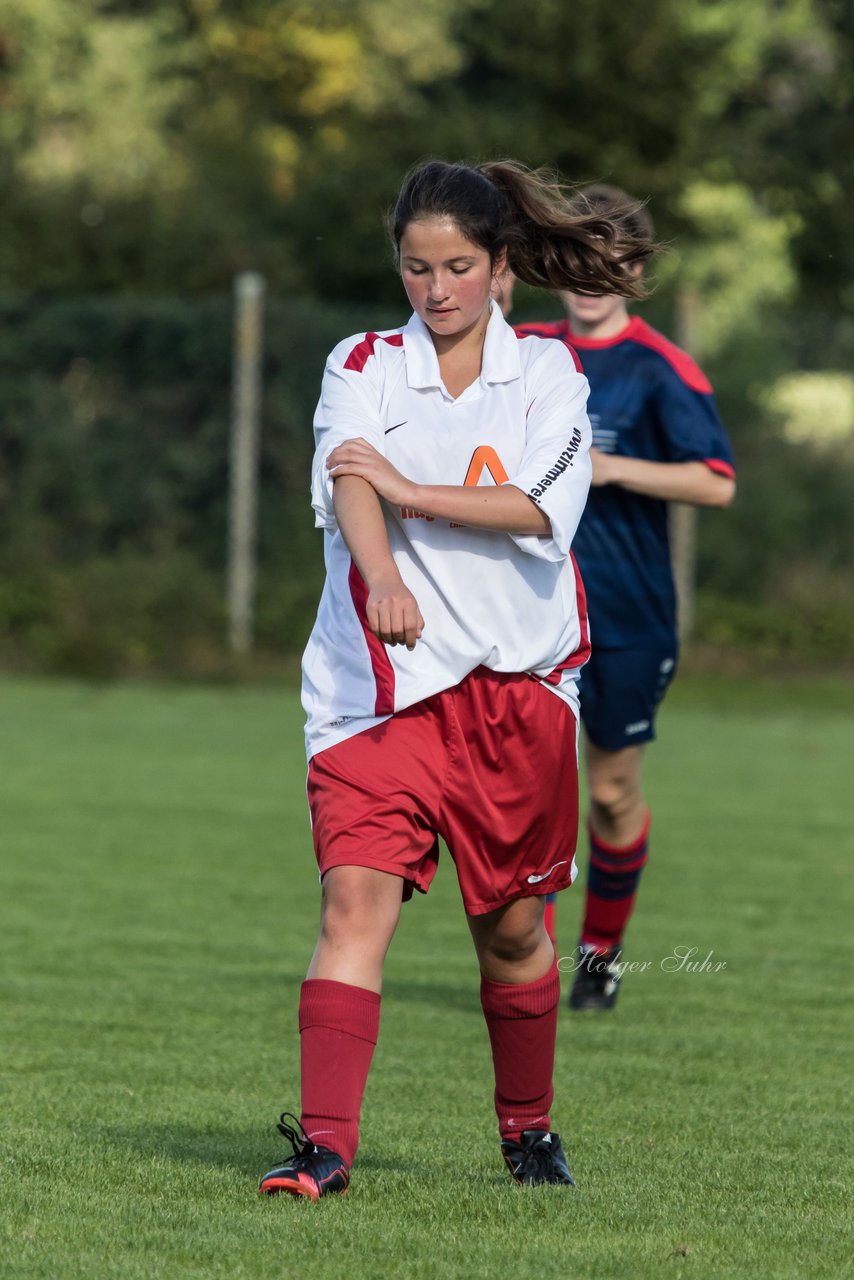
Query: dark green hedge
point(113, 479)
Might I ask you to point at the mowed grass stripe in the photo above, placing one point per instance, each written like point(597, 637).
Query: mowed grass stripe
point(158, 904)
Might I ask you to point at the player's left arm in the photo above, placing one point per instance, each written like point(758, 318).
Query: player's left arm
point(697, 483)
point(502, 508)
point(541, 503)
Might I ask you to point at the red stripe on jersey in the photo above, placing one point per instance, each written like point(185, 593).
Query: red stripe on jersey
point(575, 360)
point(720, 467)
point(380, 661)
point(362, 352)
point(557, 329)
point(579, 656)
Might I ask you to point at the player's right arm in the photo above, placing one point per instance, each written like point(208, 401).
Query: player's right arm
point(349, 406)
point(391, 608)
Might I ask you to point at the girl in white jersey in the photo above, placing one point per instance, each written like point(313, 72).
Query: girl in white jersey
point(439, 681)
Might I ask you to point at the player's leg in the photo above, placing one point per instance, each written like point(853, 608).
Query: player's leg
point(339, 1014)
point(374, 844)
point(618, 834)
point(520, 992)
point(617, 811)
point(620, 696)
point(359, 911)
point(510, 818)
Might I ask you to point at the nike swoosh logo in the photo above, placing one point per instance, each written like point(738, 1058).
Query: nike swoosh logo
point(388, 430)
point(546, 874)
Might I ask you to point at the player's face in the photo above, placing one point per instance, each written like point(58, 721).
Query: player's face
point(590, 315)
point(447, 277)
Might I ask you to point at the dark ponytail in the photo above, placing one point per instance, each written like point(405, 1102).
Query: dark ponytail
point(555, 238)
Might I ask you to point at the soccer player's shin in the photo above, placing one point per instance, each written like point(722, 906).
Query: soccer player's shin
point(612, 884)
point(339, 1025)
point(522, 1023)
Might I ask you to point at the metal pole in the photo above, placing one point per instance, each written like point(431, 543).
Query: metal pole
point(682, 517)
point(249, 288)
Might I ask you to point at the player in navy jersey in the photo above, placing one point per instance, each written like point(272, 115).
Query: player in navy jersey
point(439, 680)
point(657, 438)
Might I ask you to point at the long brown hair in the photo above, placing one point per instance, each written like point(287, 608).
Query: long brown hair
point(555, 238)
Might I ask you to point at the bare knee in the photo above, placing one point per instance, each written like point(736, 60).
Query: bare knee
point(613, 795)
point(614, 786)
point(514, 946)
point(510, 937)
point(358, 916)
point(358, 908)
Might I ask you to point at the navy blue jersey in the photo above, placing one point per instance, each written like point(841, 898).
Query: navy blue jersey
point(648, 400)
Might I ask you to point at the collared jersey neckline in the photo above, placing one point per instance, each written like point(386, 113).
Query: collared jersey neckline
point(500, 362)
point(631, 329)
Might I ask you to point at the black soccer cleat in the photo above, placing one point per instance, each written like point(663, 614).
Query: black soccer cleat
point(597, 979)
point(538, 1158)
point(312, 1171)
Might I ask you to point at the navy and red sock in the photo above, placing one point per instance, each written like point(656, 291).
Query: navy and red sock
point(612, 884)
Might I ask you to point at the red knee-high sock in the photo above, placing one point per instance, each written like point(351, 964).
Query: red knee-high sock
point(550, 918)
point(338, 1026)
point(522, 1023)
point(612, 885)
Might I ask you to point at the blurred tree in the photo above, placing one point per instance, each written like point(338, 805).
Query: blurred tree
point(169, 143)
point(165, 141)
point(734, 260)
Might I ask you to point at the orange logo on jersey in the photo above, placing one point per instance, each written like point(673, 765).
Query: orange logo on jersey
point(485, 458)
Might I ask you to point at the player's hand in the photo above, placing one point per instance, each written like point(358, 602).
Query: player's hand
point(605, 468)
point(392, 612)
point(358, 458)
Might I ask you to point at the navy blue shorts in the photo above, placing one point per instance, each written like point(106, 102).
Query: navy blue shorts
point(620, 693)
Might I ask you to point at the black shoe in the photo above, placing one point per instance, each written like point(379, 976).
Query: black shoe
point(597, 979)
point(538, 1158)
point(312, 1171)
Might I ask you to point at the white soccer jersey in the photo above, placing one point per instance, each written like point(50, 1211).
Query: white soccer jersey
point(506, 601)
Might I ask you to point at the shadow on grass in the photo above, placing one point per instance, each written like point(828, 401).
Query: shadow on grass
point(441, 995)
point(226, 1147)
point(464, 996)
point(247, 1156)
point(231, 1148)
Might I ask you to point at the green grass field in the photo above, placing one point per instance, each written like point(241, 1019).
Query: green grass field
point(158, 905)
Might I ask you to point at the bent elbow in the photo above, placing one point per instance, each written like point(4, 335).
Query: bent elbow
point(716, 490)
point(725, 493)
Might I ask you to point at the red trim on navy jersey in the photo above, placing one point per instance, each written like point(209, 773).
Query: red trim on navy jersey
point(598, 344)
point(557, 329)
point(639, 331)
point(542, 329)
point(380, 661)
point(690, 372)
point(579, 656)
point(720, 467)
point(362, 352)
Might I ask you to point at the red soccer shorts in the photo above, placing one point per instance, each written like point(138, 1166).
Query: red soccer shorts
point(490, 766)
